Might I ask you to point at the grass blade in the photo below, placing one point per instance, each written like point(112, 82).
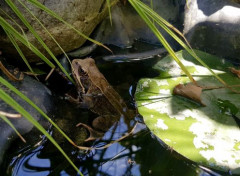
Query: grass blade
point(109, 11)
point(26, 99)
point(5, 119)
point(53, 14)
point(23, 33)
point(19, 50)
point(11, 102)
point(165, 25)
point(26, 23)
point(45, 29)
point(160, 37)
point(7, 27)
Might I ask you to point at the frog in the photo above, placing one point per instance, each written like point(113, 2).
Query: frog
point(95, 93)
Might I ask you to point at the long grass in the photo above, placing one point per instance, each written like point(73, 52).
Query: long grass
point(5, 119)
point(53, 14)
point(147, 14)
point(11, 102)
point(36, 35)
point(15, 36)
point(7, 27)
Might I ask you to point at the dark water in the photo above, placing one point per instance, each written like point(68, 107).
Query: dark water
point(138, 154)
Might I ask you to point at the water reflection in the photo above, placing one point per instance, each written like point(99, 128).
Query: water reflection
point(139, 154)
point(31, 164)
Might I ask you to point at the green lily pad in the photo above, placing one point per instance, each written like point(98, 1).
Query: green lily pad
point(208, 135)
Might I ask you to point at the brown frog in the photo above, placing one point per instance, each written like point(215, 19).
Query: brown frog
point(98, 95)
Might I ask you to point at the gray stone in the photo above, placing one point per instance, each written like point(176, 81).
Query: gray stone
point(40, 95)
point(128, 26)
point(214, 26)
point(84, 15)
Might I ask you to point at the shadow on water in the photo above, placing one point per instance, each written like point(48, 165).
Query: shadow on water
point(138, 154)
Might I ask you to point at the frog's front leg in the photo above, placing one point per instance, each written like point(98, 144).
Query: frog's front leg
point(77, 100)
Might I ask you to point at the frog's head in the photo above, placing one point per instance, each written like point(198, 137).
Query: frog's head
point(80, 71)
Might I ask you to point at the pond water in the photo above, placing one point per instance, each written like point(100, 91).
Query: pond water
point(138, 154)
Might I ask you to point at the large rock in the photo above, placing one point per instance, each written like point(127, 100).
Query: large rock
point(84, 15)
point(40, 95)
point(128, 26)
point(214, 26)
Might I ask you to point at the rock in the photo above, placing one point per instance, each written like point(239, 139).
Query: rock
point(237, 1)
point(84, 15)
point(128, 26)
point(214, 26)
point(40, 95)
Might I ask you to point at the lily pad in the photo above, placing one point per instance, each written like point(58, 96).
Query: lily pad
point(208, 135)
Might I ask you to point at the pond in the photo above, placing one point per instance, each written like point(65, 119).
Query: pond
point(139, 154)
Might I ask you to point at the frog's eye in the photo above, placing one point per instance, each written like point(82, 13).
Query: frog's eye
point(81, 71)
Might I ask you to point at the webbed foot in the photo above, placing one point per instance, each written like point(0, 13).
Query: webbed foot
point(93, 134)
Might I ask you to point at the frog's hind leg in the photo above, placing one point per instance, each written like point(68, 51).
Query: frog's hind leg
point(93, 134)
point(105, 122)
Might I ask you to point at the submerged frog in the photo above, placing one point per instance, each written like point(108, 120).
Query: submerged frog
point(97, 94)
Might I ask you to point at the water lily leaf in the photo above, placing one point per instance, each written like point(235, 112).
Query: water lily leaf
point(208, 135)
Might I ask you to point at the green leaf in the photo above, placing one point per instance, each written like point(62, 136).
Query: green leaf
point(208, 135)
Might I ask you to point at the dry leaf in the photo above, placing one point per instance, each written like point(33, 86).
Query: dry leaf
point(235, 71)
point(189, 91)
point(9, 74)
